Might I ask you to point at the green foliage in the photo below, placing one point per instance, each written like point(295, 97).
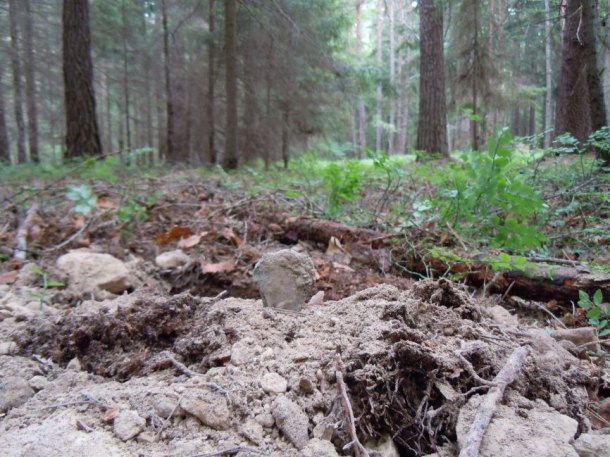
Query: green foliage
point(343, 182)
point(46, 284)
point(488, 195)
point(598, 315)
point(131, 211)
point(506, 262)
point(83, 197)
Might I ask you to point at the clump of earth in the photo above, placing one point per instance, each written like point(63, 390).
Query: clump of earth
point(128, 369)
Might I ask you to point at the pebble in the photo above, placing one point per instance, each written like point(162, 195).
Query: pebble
point(265, 419)
point(14, 391)
point(273, 383)
point(319, 448)
point(291, 420)
point(214, 414)
point(38, 382)
point(128, 424)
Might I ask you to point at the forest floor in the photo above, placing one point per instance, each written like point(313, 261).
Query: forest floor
point(175, 355)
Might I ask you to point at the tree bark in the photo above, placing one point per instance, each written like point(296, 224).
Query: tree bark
point(30, 80)
point(379, 120)
point(170, 141)
point(392, 65)
point(82, 133)
point(360, 109)
point(5, 147)
point(432, 123)
point(17, 80)
point(211, 115)
point(126, 92)
point(548, 100)
point(231, 158)
point(573, 113)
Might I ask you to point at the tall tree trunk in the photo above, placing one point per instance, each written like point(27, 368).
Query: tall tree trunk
point(474, 124)
point(607, 65)
point(5, 147)
point(405, 65)
point(170, 140)
point(211, 115)
point(126, 93)
point(159, 67)
point(392, 64)
point(17, 80)
point(231, 158)
point(432, 123)
point(379, 120)
point(548, 101)
point(360, 109)
point(82, 133)
point(286, 133)
point(594, 80)
point(30, 80)
point(573, 112)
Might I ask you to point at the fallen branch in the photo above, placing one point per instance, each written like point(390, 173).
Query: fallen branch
point(487, 408)
point(359, 449)
point(231, 451)
point(22, 233)
point(190, 373)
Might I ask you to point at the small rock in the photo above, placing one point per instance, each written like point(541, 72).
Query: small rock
point(172, 259)
point(214, 414)
point(38, 382)
point(585, 338)
point(502, 316)
point(128, 424)
point(319, 448)
point(7, 347)
point(74, 365)
point(593, 445)
point(273, 383)
point(14, 391)
point(306, 386)
point(285, 279)
point(384, 447)
point(165, 406)
point(89, 271)
point(243, 352)
point(146, 437)
point(291, 420)
point(253, 431)
point(265, 419)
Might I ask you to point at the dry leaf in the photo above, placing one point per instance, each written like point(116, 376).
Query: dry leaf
point(221, 267)
point(336, 253)
point(230, 235)
point(110, 415)
point(8, 278)
point(191, 241)
point(174, 234)
point(107, 203)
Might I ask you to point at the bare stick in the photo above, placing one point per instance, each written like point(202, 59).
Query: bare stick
point(359, 449)
point(71, 238)
point(168, 418)
point(231, 451)
point(486, 410)
point(192, 374)
point(22, 233)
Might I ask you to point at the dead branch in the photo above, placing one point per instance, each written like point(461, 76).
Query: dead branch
point(486, 410)
point(192, 374)
point(359, 449)
point(231, 451)
point(22, 233)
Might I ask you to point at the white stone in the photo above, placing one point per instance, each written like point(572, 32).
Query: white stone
point(128, 424)
point(273, 383)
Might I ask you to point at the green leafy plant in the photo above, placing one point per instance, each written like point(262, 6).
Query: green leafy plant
point(83, 197)
point(131, 211)
point(343, 182)
point(392, 173)
point(488, 195)
point(46, 285)
point(598, 315)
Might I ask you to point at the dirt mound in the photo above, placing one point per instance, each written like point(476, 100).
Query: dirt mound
point(204, 374)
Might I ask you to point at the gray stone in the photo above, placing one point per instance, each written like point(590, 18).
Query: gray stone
point(585, 338)
point(38, 382)
point(291, 420)
point(384, 447)
point(319, 448)
point(14, 391)
point(165, 406)
point(128, 424)
point(244, 351)
point(213, 413)
point(535, 430)
point(593, 445)
point(253, 431)
point(7, 348)
point(172, 259)
point(74, 365)
point(273, 383)
point(285, 279)
point(265, 419)
point(90, 271)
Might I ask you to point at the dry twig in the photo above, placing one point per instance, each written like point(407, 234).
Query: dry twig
point(486, 410)
point(22, 233)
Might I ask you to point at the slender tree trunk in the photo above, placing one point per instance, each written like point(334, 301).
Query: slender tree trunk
point(147, 84)
point(548, 101)
point(432, 123)
point(106, 122)
point(5, 147)
point(211, 114)
point(474, 125)
point(17, 80)
point(403, 131)
point(30, 80)
point(170, 139)
point(231, 158)
point(607, 65)
point(379, 120)
point(126, 92)
point(286, 133)
point(160, 102)
point(360, 110)
point(594, 80)
point(392, 64)
point(573, 112)
point(82, 133)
